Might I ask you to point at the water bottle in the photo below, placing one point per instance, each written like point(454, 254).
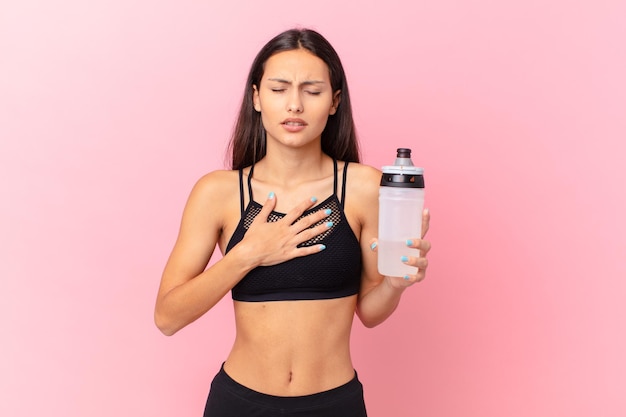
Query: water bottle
point(401, 203)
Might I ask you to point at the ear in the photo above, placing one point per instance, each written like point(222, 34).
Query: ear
point(255, 99)
point(336, 101)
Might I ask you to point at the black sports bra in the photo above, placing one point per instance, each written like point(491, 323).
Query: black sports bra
point(332, 273)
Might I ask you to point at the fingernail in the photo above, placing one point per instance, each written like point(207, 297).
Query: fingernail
point(322, 247)
point(406, 277)
point(409, 242)
point(404, 259)
point(426, 211)
point(313, 199)
point(271, 195)
point(329, 224)
point(373, 246)
point(328, 211)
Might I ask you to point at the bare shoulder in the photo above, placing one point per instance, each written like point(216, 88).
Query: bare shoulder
point(216, 188)
point(363, 181)
point(361, 200)
point(214, 195)
point(215, 182)
point(356, 168)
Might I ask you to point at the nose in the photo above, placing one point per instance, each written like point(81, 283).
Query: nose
point(295, 103)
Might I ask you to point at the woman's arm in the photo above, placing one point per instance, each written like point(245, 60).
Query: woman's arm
point(380, 295)
point(187, 291)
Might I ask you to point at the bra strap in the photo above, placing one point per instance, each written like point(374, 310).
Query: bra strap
point(335, 181)
point(343, 183)
point(241, 191)
point(250, 182)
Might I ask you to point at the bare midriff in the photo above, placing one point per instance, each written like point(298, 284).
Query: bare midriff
point(292, 348)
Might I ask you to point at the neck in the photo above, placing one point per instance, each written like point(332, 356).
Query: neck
point(291, 166)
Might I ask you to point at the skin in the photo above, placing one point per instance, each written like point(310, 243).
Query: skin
point(284, 348)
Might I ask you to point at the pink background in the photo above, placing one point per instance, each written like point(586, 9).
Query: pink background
point(110, 110)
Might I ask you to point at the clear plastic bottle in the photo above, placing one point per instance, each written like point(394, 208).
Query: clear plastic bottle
point(401, 202)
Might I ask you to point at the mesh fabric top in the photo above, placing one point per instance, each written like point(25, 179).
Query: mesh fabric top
point(331, 273)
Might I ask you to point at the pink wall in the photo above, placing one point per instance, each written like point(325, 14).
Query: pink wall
point(110, 110)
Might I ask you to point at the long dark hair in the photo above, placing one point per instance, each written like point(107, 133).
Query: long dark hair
point(339, 141)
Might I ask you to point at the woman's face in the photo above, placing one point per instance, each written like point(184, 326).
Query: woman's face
point(295, 98)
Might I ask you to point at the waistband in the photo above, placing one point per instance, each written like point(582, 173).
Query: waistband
point(320, 399)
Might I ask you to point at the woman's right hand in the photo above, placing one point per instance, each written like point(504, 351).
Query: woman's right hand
point(269, 243)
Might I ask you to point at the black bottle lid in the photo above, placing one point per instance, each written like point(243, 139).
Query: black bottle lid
point(402, 173)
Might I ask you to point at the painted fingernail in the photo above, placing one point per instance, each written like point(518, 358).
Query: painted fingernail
point(328, 211)
point(404, 259)
point(409, 242)
point(406, 277)
point(373, 246)
point(329, 224)
point(313, 199)
point(271, 195)
point(322, 247)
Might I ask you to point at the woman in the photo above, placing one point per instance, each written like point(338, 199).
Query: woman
point(299, 266)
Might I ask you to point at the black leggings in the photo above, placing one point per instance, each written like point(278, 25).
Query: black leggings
point(228, 398)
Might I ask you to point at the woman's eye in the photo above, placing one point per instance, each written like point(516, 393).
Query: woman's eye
point(278, 90)
point(314, 93)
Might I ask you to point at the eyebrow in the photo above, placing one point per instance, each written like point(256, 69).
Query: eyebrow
point(308, 82)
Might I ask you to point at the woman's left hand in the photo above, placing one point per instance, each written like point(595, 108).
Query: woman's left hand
point(421, 262)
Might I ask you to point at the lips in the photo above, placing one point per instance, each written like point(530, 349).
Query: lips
point(294, 122)
point(293, 125)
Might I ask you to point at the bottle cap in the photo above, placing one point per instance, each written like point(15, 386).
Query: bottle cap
point(403, 173)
